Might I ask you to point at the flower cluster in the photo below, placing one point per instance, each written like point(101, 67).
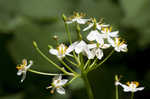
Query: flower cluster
point(100, 36)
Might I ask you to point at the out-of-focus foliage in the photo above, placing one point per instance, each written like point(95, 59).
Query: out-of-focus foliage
point(22, 21)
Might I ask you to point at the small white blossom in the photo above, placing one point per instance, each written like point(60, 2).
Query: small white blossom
point(118, 45)
point(108, 32)
point(130, 87)
point(98, 25)
point(60, 52)
point(58, 84)
point(97, 49)
point(22, 69)
point(95, 35)
point(81, 46)
point(78, 17)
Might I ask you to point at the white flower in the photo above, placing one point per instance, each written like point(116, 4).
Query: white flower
point(95, 35)
point(22, 69)
point(60, 52)
point(97, 49)
point(78, 17)
point(108, 32)
point(98, 26)
point(130, 87)
point(58, 84)
point(81, 46)
point(118, 45)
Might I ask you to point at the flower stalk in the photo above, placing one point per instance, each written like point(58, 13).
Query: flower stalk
point(132, 95)
point(87, 85)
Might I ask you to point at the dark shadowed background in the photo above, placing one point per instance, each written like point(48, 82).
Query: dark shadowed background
point(22, 21)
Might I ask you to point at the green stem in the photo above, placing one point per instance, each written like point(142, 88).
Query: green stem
point(67, 66)
point(75, 77)
point(71, 62)
point(91, 67)
point(42, 73)
point(117, 97)
point(87, 85)
point(49, 60)
point(132, 95)
point(68, 33)
point(86, 64)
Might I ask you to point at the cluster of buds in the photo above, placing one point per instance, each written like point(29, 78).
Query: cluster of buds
point(84, 53)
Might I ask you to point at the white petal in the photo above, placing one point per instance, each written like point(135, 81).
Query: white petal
point(127, 90)
point(124, 86)
point(105, 46)
point(23, 76)
point(89, 54)
point(90, 46)
point(139, 89)
point(117, 49)
point(19, 72)
point(60, 90)
point(111, 41)
point(99, 53)
point(71, 47)
point(117, 83)
point(53, 51)
point(114, 34)
point(123, 48)
point(98, 26)
point(63, 82)
point(93, 35)
point(88, 27)
point(117, 40)
point(31, 63)
point(100, 40)
point(82, 21)
point(69, 22)
point(80, 46)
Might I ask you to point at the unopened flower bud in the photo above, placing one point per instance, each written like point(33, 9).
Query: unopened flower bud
point(55, 37)
point(64, 17)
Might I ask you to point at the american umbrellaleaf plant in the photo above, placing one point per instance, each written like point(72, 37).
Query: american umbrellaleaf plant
point(85, 54)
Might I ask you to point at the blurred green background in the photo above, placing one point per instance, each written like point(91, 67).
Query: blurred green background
point(22, 21)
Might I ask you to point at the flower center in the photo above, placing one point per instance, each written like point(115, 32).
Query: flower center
point(62, 49)
point(19, 67)
point(133, 84)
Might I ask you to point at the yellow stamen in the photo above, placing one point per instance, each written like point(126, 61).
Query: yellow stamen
point(20, 67)
point(136, 83)
point(128, 83)
point(61, 49)
point(24, 62)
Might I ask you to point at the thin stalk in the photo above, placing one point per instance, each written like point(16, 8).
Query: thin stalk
point(68, 33)
point(92, 65)
point(86, 64)
point(132, 95)
point(67, 66)
point(42, 73)
point(88, 87)
point(49, 60)
point(117, 97)
point(76, 58)
point(71, 62)
point(75, 77)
